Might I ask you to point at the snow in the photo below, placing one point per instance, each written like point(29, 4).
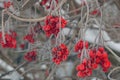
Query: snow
point(91, 34)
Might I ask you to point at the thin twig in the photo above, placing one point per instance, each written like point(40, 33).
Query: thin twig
point(13, 70)
point(117, 57)
point(52, 72)
point(112, 72)
point(3, 32)
point(25, 3)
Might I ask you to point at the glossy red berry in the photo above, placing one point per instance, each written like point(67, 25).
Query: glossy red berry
point(97, 57)
point(95, 12)
point(107, 64)
point(52, 25)
point(22, 46)
point(10, 40)
point(80, 74)
point(30, 56)
point(94, 65)
point(29, 38)
point(84, 69)
point(60, 53)
point(105, 55)
point(98, 54)
point(91, 54)
point(80, 44)
point(7, 4)
point(81, 67)
point(89, 72)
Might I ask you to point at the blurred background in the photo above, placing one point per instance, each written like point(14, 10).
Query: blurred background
point(18, 17)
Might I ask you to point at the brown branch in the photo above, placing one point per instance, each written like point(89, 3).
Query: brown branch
point(32, 20)
point(24, 19)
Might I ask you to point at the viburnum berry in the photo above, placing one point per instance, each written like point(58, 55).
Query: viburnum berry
point(89, 72)
point(102, 59)
point(95, 12)
point(97, 57)
point(84, 69)
point(29, 38)
point(79, 45)
point(85, 61)
point(79, 55)
point(60, 53)
point(80, 74)
point(91, 54)
point(80, 67)
point(7, 4)
point(107, 64)
point(105, 55)
point(47, 4)
point(97, 60)
point(30, 56)
point(101, 49)
point(98, 54)
point(94, 65)
point(10, 40)
point(22, 46)
point(52, 25)
point(13, 33)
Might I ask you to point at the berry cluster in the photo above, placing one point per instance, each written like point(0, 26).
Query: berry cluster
point(13, 33)
point(52, 25)
point(10, 40)
point(44, 3)
point(30, 56)
point(84, 69)
point(29, 38)
point(95, 12)
point(60, 53)
point(100, 57)
point(79, 46)
point(7, 4)
point(97, 57)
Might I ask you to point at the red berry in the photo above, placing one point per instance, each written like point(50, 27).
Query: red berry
point(10, 41)
point(89, 72)
point(29, 38)
point(84, 61)
point(105, 55)
point(7, 4)
point(101, 49)
point(97, 60)
point(80, 67)
point(86, 44)
point(91, 53)
point(30, 56)
point(60, 53)
point(52, 25)
point(105, 70)
point(107, 64)
point(80, 74)
point(94, 65)
point(98, 54)
point(79, 55)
